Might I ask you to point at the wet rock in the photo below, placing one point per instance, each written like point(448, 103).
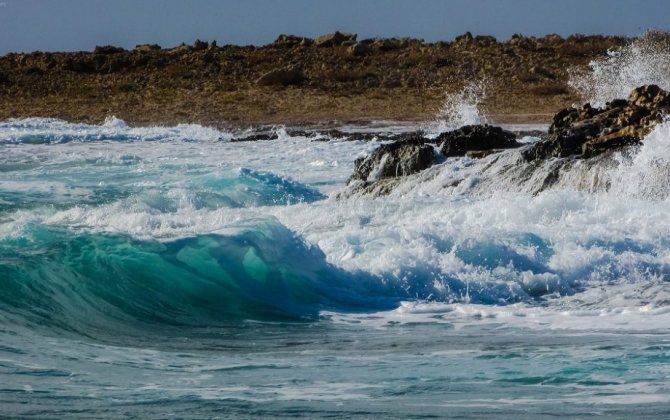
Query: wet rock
point(394, 160)
point(650, 97)
point(256, 137)
point(282, 77)
point(588, 131)
point(473, 140)
point(335, 39)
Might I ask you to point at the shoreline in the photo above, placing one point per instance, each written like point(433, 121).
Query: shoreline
point(315, 125)
point(302, 81)
point(325, 118)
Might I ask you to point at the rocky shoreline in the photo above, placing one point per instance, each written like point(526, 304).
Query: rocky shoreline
point(336, 77)
point(577, 133)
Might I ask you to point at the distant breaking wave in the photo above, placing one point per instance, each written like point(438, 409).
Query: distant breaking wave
point(54, 131)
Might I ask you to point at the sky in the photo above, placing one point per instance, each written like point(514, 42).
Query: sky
point(71, 25)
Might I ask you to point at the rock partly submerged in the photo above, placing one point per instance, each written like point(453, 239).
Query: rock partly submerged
point(379, 172)
point(587, 131)
point(476, 141)
point(401, 158)
point(576, 134)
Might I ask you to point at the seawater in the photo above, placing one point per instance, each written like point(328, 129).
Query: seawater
point(165, 272)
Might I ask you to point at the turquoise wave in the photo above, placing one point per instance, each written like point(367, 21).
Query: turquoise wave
point(238, 188)
point(85, 281)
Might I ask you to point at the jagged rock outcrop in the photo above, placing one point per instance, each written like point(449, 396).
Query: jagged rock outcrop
point(401, 158)
point(335, 39)
point(146, 48)
point(108, 49)
point(390, 79)
point(475, 140)
point(381, 171)
point(290, 41)
point(359, 49)
point(588, 131)
point(583, 133)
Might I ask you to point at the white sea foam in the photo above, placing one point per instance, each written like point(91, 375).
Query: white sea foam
point(48, 130)
point(645, 60)
point(438, 240)
point(458, 109)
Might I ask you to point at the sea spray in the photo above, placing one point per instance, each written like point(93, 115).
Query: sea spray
point(645, 60)
point(193, 277)
point(460, 108)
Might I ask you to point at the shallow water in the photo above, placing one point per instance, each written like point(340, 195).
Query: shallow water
point(166, 271)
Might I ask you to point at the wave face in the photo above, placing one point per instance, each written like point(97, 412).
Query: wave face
point(53, 131)
point(83, 282)
point(144, 231)
point(165, 270)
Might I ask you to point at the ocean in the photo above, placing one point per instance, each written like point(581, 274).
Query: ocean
point(169, 272)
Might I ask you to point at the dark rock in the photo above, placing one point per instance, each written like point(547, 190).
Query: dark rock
point(108, 49)
point(359, 49)
point(79, 65)
point(589, 131)
point(649, 96)
point(475, 138)
point(199, 45)
point(466, 38)
point(350, 136)
point(327, 135)
point(290, 41)
point(282, 77)
point(144, 48)
point(388, 44)
point(394, 160)
point(479, 154)
point(335, 39)
point(256, 137)
point(552, 39)
point(180, 49)
point(485, 40)
point(542, 72)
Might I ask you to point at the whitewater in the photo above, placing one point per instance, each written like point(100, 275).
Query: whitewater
point(154, 272)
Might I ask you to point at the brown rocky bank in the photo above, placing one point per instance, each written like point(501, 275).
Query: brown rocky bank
point(294, 79)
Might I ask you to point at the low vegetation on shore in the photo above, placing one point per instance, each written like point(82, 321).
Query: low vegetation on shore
point(296, 79)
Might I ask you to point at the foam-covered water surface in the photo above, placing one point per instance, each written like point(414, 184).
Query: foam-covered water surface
point(169, 271)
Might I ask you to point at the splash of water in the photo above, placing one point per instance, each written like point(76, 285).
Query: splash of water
point(645, 60)
point(645, 174)
point(459, 109)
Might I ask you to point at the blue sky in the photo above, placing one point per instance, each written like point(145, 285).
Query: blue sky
point(67, 25)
